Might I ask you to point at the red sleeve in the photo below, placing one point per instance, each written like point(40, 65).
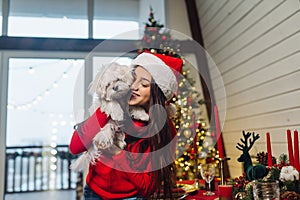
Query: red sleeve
point(83, 136)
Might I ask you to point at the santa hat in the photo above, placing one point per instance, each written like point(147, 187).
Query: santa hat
point(164, 69)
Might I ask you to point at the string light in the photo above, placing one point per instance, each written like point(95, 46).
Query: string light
point(46, 92)
point(31, 70)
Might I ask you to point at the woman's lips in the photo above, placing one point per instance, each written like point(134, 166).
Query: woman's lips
point(134, 95)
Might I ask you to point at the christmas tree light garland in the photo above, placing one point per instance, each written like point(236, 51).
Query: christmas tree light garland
point(191, 129)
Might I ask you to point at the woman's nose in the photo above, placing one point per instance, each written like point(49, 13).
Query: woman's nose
point(134, 86)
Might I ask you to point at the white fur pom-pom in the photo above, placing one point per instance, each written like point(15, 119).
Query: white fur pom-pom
point(138, 113)
point(171, 109)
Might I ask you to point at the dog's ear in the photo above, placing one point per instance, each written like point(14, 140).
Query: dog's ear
point(93, 87)
point(100, 82)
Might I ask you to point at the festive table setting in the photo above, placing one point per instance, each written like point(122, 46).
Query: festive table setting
point(268, 178)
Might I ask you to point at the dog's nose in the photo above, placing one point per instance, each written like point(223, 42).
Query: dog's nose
point(116, 88)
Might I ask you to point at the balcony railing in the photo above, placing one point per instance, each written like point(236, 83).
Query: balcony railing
point(39, 168)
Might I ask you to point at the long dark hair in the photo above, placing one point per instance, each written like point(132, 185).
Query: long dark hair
point(166, 175)
point(164, 178)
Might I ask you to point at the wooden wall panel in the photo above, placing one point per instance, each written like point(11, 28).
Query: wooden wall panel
point(261, 10)
point(230, 21)
point(254, 46)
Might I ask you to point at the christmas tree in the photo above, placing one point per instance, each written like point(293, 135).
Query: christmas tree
point(193, 145)
point(157, 37)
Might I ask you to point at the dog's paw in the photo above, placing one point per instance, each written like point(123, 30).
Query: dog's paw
point(104, 138)
point(120, 139)
point(121, 144)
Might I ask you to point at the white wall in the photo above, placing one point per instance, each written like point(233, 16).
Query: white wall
point(176, 16)
point(255, 45)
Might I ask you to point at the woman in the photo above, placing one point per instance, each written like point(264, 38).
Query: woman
point(145, 167)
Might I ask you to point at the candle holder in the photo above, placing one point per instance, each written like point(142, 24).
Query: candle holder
point(222, 161)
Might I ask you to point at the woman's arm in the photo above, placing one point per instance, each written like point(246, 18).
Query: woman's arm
point(84, 133)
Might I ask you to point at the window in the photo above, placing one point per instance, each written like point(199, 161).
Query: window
point(40, 100)
point(67, 18)
point(116, 17)
point(1, 16)
point(106, 29)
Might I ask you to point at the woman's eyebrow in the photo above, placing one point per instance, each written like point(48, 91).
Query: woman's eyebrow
point(143, 78)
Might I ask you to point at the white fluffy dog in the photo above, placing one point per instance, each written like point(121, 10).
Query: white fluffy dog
point(109, 87)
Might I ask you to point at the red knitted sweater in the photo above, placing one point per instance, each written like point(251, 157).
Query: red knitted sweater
point(112, 176)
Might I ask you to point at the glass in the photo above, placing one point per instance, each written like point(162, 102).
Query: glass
point(266, 190)
point(208, 173)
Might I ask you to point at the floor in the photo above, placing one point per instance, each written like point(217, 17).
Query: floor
point(47, 195)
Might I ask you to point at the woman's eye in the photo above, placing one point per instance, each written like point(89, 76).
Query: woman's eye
point(145, 84)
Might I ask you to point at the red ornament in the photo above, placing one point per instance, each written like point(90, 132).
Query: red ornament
point(189, 100)
point(209, 160)
point(164, 38)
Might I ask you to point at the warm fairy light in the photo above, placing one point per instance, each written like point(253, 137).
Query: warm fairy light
point(53, 151)
point(187, 102)
point(63, 123)
point(53, 144)
point(54, 123)
point(53, 167)
point(55, 84)
point(53, 159)
point(65, 75)
point(35, 100)
point(31, 70)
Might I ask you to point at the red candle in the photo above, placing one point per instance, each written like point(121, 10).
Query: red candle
point(218, 133)
point(296, 150)
point(225, 192)
point(290, 147)
point(269, 150)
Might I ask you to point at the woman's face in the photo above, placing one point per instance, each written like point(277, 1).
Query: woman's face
point(141, 88)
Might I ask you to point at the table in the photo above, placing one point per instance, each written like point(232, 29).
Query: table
point(198, 195)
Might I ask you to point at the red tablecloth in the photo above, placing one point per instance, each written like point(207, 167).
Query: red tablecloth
point(198, 195)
